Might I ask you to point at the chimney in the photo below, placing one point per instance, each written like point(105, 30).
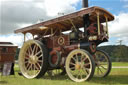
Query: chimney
point(84, 3)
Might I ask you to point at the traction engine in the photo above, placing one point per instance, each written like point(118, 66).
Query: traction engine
point(68, 45)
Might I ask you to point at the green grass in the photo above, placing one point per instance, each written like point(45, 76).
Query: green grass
point(120, 64)
point(116, 77)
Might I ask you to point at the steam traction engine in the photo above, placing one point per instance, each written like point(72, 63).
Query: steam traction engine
point(67, 43)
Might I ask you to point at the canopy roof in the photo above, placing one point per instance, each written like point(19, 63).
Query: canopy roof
point(63, 23)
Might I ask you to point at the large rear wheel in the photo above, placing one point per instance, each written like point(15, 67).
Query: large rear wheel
point(33, 59)
point(103, 64)
point(80, 65)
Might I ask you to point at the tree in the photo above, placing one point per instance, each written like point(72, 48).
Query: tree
point(120, 53)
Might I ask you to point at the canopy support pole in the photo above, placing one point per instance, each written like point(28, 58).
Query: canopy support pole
point(24, 37)
point(73, 24)
point(107, 25)
point(98, 22)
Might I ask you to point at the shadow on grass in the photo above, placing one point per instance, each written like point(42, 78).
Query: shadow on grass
point(57, 77)
point(112, 79)
point(3, 82)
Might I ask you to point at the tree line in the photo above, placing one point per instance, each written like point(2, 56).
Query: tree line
point(116, 52)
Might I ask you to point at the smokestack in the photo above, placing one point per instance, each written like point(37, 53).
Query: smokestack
point(84, 3)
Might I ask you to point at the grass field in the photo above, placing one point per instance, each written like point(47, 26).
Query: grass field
point(120, 64)
point(116, 77)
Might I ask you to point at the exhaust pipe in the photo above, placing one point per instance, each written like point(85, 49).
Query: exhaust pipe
point(84, 3)
point(86, 20)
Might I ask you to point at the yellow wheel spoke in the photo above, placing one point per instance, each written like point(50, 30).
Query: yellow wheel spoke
point(38, 65)
point(27, 54)
point(33, 51)
point(72, 63)
point(38, 53)
point(30, 66)
point(72, 68)
point(100, 70)
point(40, 56)
point(86, 64)
point(30, 50)
point(103, 67)
point(74, 59)
point(39, 61)
point(26, 62)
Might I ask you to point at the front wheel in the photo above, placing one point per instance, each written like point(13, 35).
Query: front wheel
point(33, 59)
point(103, 64)
point(80, 65)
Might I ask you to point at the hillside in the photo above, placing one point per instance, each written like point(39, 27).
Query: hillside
point(116, 52)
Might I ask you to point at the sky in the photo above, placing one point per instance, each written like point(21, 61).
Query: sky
point(15, 14)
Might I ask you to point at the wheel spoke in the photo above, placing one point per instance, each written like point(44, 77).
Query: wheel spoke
point(27, 54)
point(39, 61)
point(72, 63)
point(74, 59)
point(87, 70)
point(100, 70)
point(103, 67)
point(29, 68)
point(86, 64)
point(36, 49)
point(83, 70)
point(97, 71)
point(27, 58)
point(30, 49)
point(72, 68)
point(26, 62)
point(33, 51)
point(78, 74)
point(38, 65)
point(97, 57)
point(84, 59)
point(38, 53)
point(82, 56)
point(34, 68)
point(40, 56)
point(81, 74)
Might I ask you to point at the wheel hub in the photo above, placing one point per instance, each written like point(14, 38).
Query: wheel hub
point(78, 66)
point(97, 63)
point(33, 59)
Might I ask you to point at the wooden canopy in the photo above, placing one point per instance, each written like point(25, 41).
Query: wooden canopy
point(64, 23)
